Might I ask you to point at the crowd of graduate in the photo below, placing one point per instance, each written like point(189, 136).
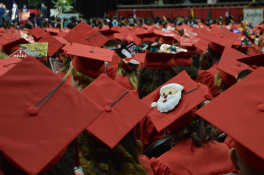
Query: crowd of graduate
point(182, 81)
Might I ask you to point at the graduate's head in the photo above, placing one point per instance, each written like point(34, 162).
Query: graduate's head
point(157, 70)
point(228, 68)
point(129, 67)
point(14, 5)
point(65, 165)
point(243, 74)
point(240, 164)
point(24, 6)
point(108, 146)
point(241, 116)
point(88, 63)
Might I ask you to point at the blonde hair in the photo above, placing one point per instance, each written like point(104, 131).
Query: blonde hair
point(99, 159)
point(3, 54)
point(132, 75)
point(84, 80)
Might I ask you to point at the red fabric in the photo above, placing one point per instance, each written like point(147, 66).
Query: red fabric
point(112, 13)
point(111, 71)
point(123, 81)
point(201, 13)
point(145, 162)
point(207, 77)
point(161, 13)
point(216, 13)
point(146, 132)
point(180, 12)
point(230, 142)
point(141, 13)
point(205, 90)
point(185, 158)
point(235, 12)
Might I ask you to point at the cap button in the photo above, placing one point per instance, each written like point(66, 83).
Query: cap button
point(5, 65)
point(32, 110)
point(108, 109)
point(261, 107)
point(239, 64)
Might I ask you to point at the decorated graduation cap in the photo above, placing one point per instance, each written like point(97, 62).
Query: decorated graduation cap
point(220, 38)
point(173, 101)
point(36, 50)
point(121, 112)
point(10, 43)
point(89, 60)
point(53, 44)
point(85, 34)
point(257, 60)
point(189, 43)
point(8, 63)
point(38, 32)
point(156, 60)
point(44, 124)
point(229, 67)
point(239, 113)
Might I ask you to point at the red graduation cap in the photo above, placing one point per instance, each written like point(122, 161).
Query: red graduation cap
point(8, 63)
point(156, 60)
point(257, 60)
point(229, 67)
point(90, 60)
point(38, 32)
point(180, 115)
point(149, 37)
point(239, 113)
point(54, 44)
point(220, 38)
point(122, 110)
point(44, 108)
point(202, 45)
point(85, 34)
point(109, 33)
point(52, 31)
point(11, 43)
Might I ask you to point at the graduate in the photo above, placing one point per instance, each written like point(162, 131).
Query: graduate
point(218, 39)
point(108, 146)
point(43, 138)
point(242, 121)
point(193, 149)
point(14, 14)
point(88, 64)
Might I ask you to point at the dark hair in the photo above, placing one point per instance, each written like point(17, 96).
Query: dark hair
point(196, 60)
point(45, 24)
point(243, 74)
point(111, 43)
point(215, 55)
point(150, 79)
point(65, 166)
point(191, 70)
point(99, 159)
point(192, 131)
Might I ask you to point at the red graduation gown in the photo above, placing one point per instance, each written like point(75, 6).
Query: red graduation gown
point(186, 159)
point(123, 81)
point(111, 71)
point(146, 132)
point(144, 160)
point(207, 77)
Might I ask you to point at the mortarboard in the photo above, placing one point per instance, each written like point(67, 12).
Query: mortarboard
point(38, 32)
point(122, 110)
point(53, 31)
point(156, 60)
point(36, 50)
point(54, 44)
point(90, 60)
point(37, 140)
point(85, 34)
point(7, 64)
point(257, 60)
point(220, 38)
point(229, 67)
point(109, 33)
point(148, 37)
point(179, 116)
point(202, 45)
point(11, 43)
point(239, 113)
